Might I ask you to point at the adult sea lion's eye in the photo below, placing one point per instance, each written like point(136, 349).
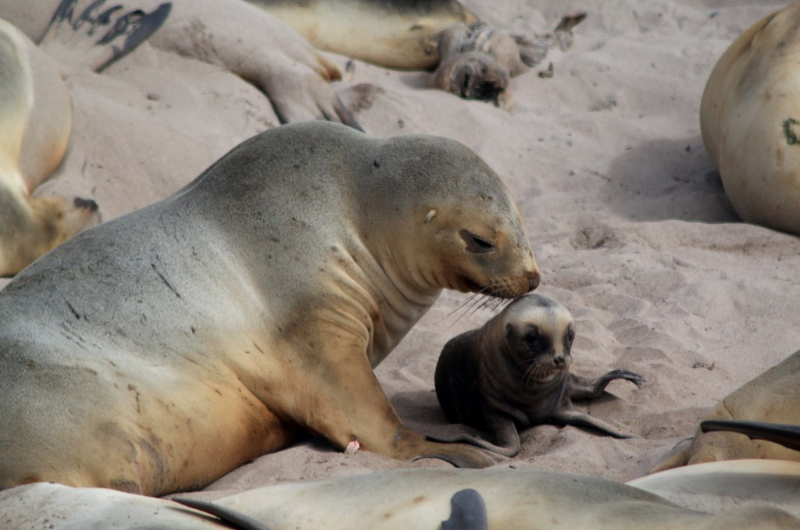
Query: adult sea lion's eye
point(476, 243)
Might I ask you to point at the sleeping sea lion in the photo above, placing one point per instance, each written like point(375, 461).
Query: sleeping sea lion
point(160, 350)
point(750, 120)
point(513, 373)
point(418, 499)
point(773, 396)
point(35, 125)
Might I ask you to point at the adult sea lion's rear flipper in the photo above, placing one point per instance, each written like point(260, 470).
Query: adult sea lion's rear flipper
point(232, 517)
point(467, 512)
point(99, 35)
point(786, 435)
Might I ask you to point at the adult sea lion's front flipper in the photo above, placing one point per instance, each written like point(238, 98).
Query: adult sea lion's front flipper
point(468, 512)
point(786, 435)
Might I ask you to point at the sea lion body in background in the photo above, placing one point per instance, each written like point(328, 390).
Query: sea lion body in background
point(513, 373)
point(391, 33)
point(750, 120)
point(158, 351)
point(773, 396)
point(35, 125)
point(418, 499)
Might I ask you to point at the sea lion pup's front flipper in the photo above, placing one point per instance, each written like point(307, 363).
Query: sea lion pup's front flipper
point(232, 517)
point(468, 512)
point(786, 435)
point(570, 416)
point(505, 438)
point(100, 34)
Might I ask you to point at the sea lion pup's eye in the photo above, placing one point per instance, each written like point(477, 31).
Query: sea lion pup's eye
point(570, 336)
point(476, 243)
point(532, 334)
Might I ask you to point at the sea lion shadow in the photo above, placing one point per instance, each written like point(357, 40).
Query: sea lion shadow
point(420, 411)
point(665, 179)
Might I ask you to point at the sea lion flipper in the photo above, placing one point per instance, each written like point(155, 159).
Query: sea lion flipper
point(506, 439)
point(232, 517)
point(97, 35)
point(467, 512)
point(786, 435)
point(574, 417)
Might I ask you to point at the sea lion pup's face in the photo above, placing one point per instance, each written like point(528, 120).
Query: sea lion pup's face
point(454, 224)
point(539, 333)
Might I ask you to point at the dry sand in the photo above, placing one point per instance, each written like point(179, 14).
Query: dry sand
point(628, 218)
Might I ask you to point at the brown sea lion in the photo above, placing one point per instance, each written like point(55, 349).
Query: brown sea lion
point(513, 373)
point(158, 351)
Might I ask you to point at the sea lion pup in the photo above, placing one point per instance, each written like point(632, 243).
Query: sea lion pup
point(158, 351)
point(413, 499)
point(478, 61)
point(35, 125)
point(513, 373)
point(749, 118)
point(773, 396)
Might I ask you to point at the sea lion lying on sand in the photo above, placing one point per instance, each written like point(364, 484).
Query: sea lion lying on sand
point(773, 396)
point(418, 499)
point(159, 351)
point(750, 120)
point(513, 373)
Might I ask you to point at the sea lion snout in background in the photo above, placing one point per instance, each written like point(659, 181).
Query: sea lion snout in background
point(160, 350)
point(513, 373)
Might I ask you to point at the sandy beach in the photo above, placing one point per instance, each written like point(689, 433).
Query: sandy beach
point(627, 216)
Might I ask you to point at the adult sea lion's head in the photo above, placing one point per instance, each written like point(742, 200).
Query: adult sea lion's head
point(446, 220)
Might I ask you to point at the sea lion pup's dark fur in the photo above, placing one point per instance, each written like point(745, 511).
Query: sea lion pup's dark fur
point(513, 373)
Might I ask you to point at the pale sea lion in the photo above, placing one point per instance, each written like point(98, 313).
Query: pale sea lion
point(718, 486)
point(158, 351)
point(773, 396)
point(750, 116)
point(35, 125)
point(246, 41)
point(418, 499)
point(392, 33)
point(513, 373)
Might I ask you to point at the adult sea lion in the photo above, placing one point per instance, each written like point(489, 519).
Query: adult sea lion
point(245, 41)
point(750, 120)
point(392, 33)
point(35, 125)
point(158, 351)
point(718, 486)
point(773, 396)
point(418, 499)
point(513, 373)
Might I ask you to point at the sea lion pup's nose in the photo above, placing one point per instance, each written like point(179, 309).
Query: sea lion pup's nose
point(559, 360)
point(534, 280)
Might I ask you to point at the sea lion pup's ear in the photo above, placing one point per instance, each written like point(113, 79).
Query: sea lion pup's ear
point(467, 512)
point(232, 517)
point(786, 435)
